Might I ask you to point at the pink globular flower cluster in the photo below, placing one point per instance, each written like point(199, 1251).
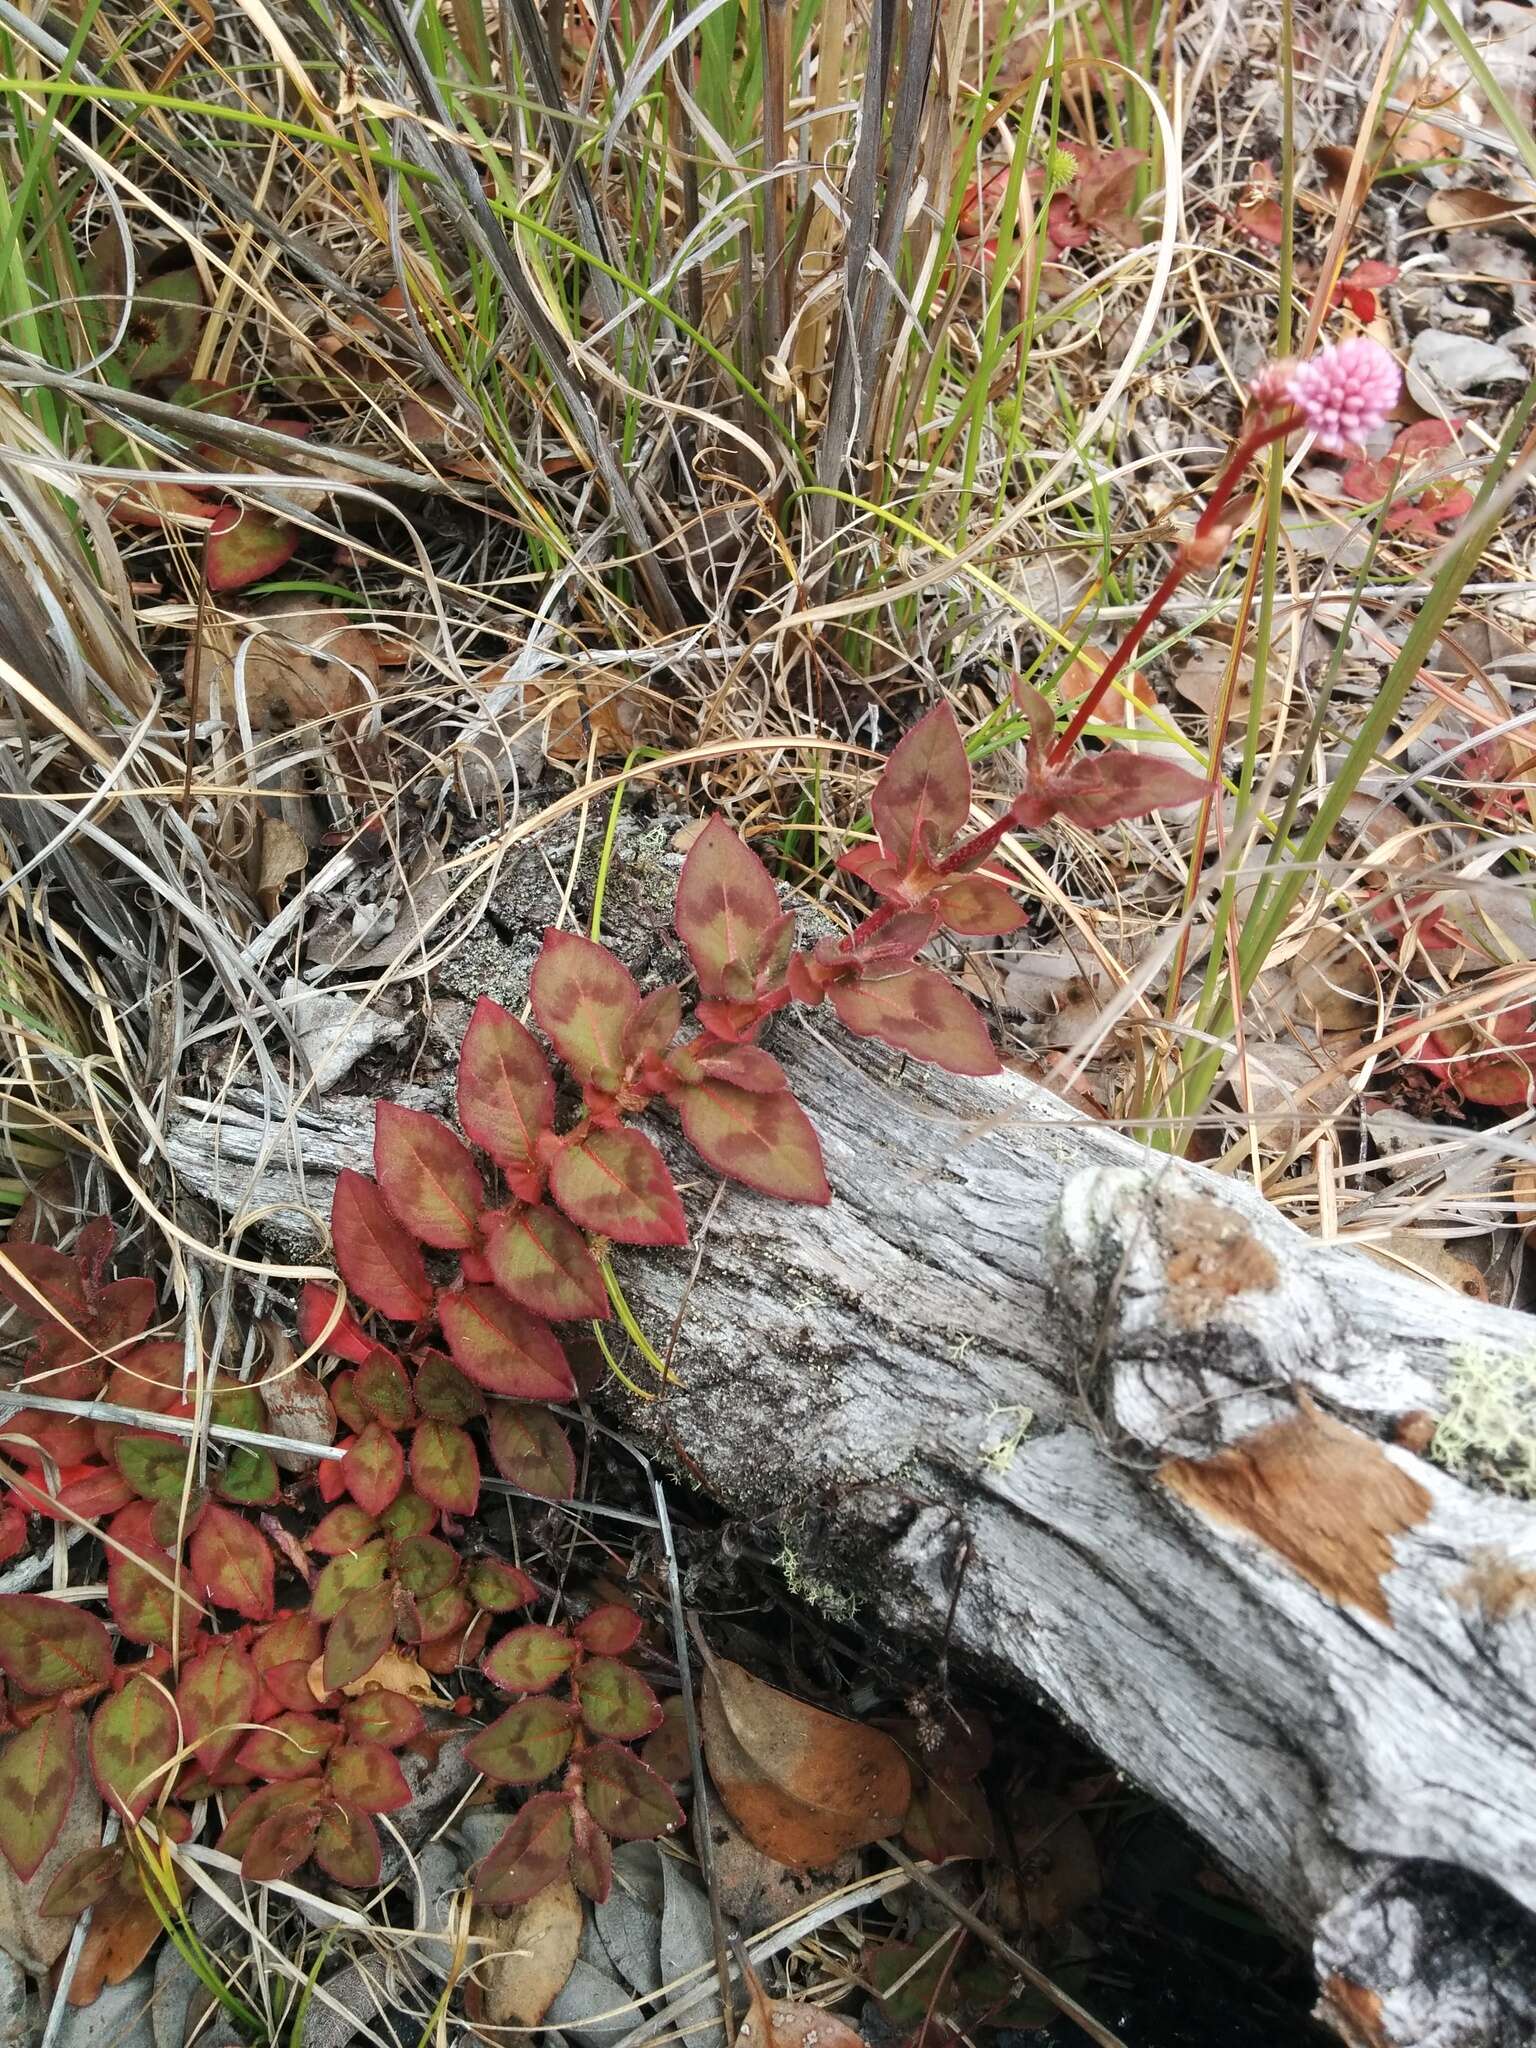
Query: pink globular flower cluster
point(1343, 393)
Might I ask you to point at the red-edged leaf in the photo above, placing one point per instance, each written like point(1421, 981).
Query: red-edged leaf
point(84, 1882)
point(245, 543)
point(359, 1636)
point(615, 1700)
point(383, 1717)
point(625, 1797)
point(978, 907)
point(329, 1482)
point(347, 1847)
point(68, 1440)
point(216, 1695)
point(351, 1572)
point(232, 1563)
point(28, 1271)
point(345, 1528)
point(504, 1349)
point(445, 1467)
point(591, 1858)
point(367, 1776)
point(259, 1806)
point(152, 1598)
point(383, 1390)
point(379, 1260)
point(295, 1639)
point(609, 1631)
point(249, 1478)
point(317, 1305)
point(651, 1028)
point(616, 1183)
point(923, 797)
point(38, 1770)
point(445, 1613)
point(529, 1448)
point(50, 1646)
point(582, 997)
point(282, 1842)
point(443, 1393)
point(374, 1469)
point(295, 1746)
point(726, 906)
point(743, 1066)
point(506, 1091)
point(134, 1734)
point(531, 1855)
point(499, 1587)
point(765, 1140)
point(423, 1565)
point(406, 1516)
point(527, 1744)
point(922, 1013)
point(1095, 790)
point(349, 1409)
point(89, 1491)
point(530, 1659)
point(13, 1531)
point(427, 1176)
point(542, 1263)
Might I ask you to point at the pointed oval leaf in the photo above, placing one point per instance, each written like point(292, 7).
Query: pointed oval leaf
point(216, 1695)
point(446, 1613)
point(385, 1717)
point(625, 1797)
point(295, 1639)
point(443, 1393)
point(527, 1744)
point(152, 1598)
point(652, 1027)
point(38, 1770)
point(616, 1183)
point(344, 1529)
point(531, 1450)
point(923, 798)
point(541, 1262)
point(406, 1516)
point(359, 1636)
point(347, 1847)
point(352, 1572)
point(531, 1855)
point(609, 1631)
point(317, 1307)
point(84, 1882)
point(295, 1746)
point(378, 1259)
point(383, 1390)
point(232, 1562)
point(249, 1478)
point(50, 1646)
point(367, 1776)
point(530, 1659)
point(591, 1858)
point(502, 1348)
point(167, 320)
point(30, 1271)
point(726, 906)
point(245, 543)
point(134, 1735)
point(764, 1140)
point(506, 1093)
point(349, 1409)
point(922, 1013)
point(424, 1566)
point(258, 1807)
point(583, 997)
point(374, 1469)
point(979, 908)
point(445, 1468)
point(282, 1842)
point(427, 1176)
point(499, 1587)
point(616, 1700)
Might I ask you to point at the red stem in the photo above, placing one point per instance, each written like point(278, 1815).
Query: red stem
point(1187, 558)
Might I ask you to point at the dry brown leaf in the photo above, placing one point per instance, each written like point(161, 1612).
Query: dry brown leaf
point(755, 1892)
point(299, 667)
point(1410, 138)
point(394, 1672)
point(1323, 1496)
point(779, 2023)
point(283, 855)
point(580, 714)
point(296, 1402)
point(1468, 206)
point(124, 1928)
point(1428, 1258)
point(803, 1785)
point(514, 1982)
point(1523, 1195)
point(1057, 1872)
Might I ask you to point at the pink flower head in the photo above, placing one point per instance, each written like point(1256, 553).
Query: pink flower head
point(1345, 392)
point(1272, 386)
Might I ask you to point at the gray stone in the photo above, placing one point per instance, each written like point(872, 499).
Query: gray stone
point(437, 1783)
point(588, 1993)
point(119, 2018)
point(439, 1877)
point(480, 1830)
point(21, 2017)
point(177, 1984)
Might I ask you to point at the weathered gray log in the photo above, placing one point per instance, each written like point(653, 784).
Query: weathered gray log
point(1109, 1428)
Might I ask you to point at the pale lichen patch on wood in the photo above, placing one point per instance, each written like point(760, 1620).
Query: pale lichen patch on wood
point(1327, 1498)
point(1496, 1586)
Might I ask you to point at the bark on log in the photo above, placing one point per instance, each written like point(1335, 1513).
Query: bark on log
point(1114, 1431)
